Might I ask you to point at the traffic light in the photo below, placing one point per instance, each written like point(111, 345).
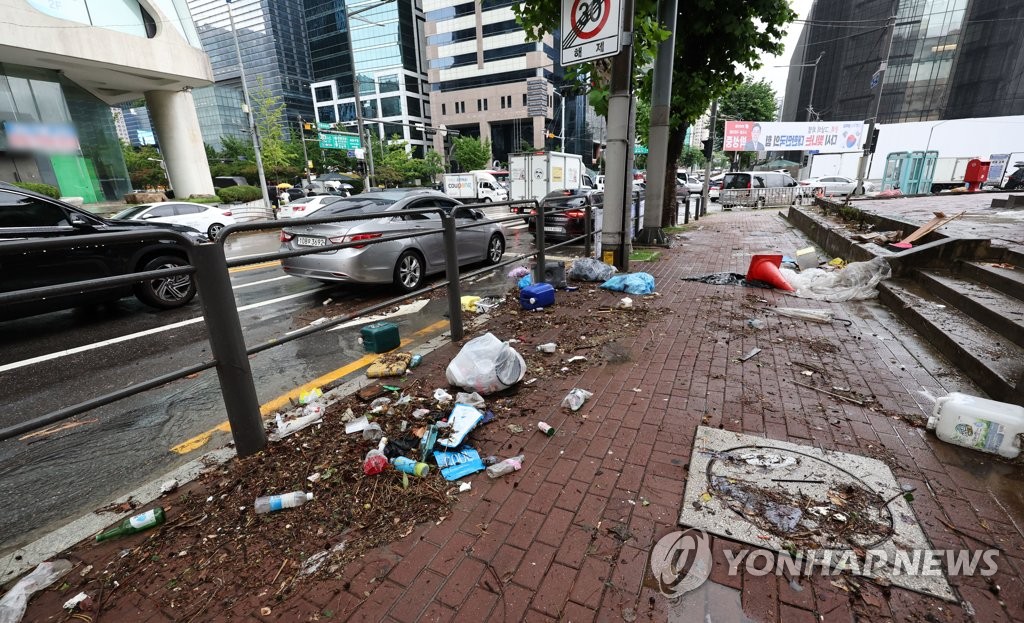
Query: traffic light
point(709, 147)
point(874, 140)
point(551, 135)
point(308, 126)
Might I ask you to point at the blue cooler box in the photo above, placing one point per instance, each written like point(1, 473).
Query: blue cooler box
point(537, 295)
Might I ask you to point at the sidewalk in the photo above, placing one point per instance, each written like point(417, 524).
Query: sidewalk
point(568, 538)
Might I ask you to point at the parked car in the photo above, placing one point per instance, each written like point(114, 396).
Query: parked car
point(404, 263)
point(834, 185)
point(571, 222)
point(204, 217)
point(305, 206)
point(28, 215)
point(758, 189)
point(287, 195)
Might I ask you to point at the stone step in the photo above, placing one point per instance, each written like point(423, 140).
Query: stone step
point(1009, 281)
point(992, 361)
point(989, 306)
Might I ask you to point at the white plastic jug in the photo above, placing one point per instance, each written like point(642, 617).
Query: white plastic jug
point(978, 424)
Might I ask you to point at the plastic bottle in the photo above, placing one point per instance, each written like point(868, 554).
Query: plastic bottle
point(506, 467)
point(137, 523)
point(271, 503)
point(375, 461)
point(546, 428)
point(491, 460)
point(978, 423)
point(409, 466)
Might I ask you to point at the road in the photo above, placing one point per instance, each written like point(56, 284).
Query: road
point(60, 359)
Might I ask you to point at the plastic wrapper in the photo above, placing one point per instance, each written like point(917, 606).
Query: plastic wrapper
point(486, 365)
point(632, 283)
point(590, 269)
point(859, 280)
point(13, 604)
point(575, 398)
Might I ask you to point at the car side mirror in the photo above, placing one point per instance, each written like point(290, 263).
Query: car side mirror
point(78, 221)
point(477, 215)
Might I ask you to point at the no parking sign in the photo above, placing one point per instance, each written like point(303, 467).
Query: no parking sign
point(591, 29)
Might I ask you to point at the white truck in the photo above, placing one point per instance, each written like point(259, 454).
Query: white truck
point(473, 187)
point(534, 174)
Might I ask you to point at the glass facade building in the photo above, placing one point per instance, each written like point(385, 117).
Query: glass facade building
point(221, 113)
point(949, 59)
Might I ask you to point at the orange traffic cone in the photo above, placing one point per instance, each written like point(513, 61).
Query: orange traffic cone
point(766, 268)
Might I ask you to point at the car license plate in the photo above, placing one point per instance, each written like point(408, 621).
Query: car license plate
point(554, 230)
point(306, 241)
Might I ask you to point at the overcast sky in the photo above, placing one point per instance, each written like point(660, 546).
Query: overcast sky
point(776, 76)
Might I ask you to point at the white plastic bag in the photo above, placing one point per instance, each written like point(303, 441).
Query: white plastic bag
point(590, 269)
point(575, 398)
point(13, 604)
point(859, 280)
point(486, 365)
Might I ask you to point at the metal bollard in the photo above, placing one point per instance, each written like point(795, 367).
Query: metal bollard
point(538, 231)
point(587, 234)
point(452, 273)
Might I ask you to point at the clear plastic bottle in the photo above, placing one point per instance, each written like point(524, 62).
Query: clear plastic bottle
point(375, 461)
point(506, 467)
point(491, 460)
point(271, 503)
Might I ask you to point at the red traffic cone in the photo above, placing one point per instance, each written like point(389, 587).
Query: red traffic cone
point(766, 268)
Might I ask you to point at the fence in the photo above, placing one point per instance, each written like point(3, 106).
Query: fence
point(760, 197)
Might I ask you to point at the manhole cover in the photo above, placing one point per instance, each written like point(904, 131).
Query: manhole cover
point(831, 506)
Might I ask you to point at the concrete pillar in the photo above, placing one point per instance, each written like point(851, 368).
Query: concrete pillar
point(177, 132)
point(485, 131)
point(538, 132)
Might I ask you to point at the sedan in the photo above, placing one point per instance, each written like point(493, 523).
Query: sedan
point(206, 218)
point(305, 206)
point(569, 221)
point(834, 185)
point(405, 262)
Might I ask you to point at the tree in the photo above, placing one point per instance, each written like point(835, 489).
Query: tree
point(143, 164)
point(471, 153)
point(748, 101)
point(692, 157)
point(714, 42)
point(268, 112)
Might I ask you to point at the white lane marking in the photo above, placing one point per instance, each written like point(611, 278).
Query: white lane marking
point(131, 336)
point(256, 283)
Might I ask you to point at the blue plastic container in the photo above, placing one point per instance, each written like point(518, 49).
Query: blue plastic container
point(536, 296)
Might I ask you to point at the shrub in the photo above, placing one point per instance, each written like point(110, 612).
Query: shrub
point(239, 193)
point(42, 189)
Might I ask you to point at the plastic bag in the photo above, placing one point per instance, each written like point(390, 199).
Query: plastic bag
point(474, 399)
point(575, 398)
point(525, 282)
point(590, 269)
point(859, 280)
point(13, 604)
point(633, 283)
point(486, 365)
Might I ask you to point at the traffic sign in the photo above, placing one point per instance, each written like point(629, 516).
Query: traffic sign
point(591, 29)
point(325, 126)
point(338, 140)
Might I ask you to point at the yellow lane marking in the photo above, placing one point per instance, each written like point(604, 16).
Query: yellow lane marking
point(242, 269)
point(269, 407)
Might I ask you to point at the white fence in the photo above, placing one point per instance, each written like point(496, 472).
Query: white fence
point(759, 197)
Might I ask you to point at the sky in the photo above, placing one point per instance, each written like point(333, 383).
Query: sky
point(776, 76)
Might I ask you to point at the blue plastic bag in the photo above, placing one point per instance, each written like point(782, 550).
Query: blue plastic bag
point(632, 283)
point(526, 281)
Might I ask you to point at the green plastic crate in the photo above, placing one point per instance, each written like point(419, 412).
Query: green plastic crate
point(380, 337)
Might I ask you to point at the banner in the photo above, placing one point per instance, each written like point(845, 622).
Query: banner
point(46, 138)
point(763, 136)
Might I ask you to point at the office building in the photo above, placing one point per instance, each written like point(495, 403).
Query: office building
point(387, 41)
point(138, 129)
point(950, 59)
point(65, 64)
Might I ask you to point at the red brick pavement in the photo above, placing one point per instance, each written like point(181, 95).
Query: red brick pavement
point(535, 545)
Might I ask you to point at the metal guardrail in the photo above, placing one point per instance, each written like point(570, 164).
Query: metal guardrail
point(760, 197)
point(209, 265)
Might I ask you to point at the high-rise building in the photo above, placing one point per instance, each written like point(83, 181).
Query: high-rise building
point(137, 125)
point(387, 43)
point(950, 59)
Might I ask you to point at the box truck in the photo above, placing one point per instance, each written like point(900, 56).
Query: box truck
point(533, 175)
point(474, 187)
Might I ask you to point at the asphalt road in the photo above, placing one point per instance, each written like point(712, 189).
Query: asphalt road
point(63, 358)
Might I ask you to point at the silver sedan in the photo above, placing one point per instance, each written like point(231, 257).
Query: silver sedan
point(403, 262)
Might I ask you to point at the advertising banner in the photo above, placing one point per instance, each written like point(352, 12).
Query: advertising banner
point(45, 138)
point(763, 136)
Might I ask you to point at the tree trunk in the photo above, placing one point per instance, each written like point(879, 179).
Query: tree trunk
point(669, 206)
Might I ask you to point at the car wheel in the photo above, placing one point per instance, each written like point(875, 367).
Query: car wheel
point(213, 230)
point(485, 200)
point(409, 271)
point(495, 249)
point(166, 292)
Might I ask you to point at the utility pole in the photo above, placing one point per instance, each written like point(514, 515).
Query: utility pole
point(561, 96)
point(814, 79)
point(657, 158)
point(248, 112)
point(708, 153)
point(618, 180)
point(862, 167)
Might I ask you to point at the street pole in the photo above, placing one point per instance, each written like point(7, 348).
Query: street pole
point(814, 80)
point(618, 185)
point(305, 154)
point(657, 158)
point(704, 191)
point(561, 96)
point(248, 111)
point(863, 165)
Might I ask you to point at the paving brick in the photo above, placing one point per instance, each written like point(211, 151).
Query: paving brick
point(452, 553)
point(436, 613)
point(760, 597)
point(417, 559)
point(514, 602)
point(590, 582)
point(575, 613)
point(415, 599)
point(570, 496)
point(524, 531)
point(630, 569)
point(555, 527)
point(789, 614)
point(551, 594)
point(534, 565)
point(461, 582)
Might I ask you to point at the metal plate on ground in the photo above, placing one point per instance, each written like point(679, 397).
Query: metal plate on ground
point(830, 506)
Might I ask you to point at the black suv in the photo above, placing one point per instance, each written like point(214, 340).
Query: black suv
point(25, 215)
point(569, 223)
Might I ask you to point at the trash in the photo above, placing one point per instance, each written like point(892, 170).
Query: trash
point(375, 461)
point(590, 269)
point(372, 432)
point(410, 466)
point(755, 323)
point(939, 221)
point(415, 361)
point(767, 460)
point(633, 283)
point(806, 258)
point(753, 353)
point(309, 396)
point(427, 442)
point(357, 425)
point(288, 427)
point(380, 337)
point(506, 467)
point(526, 281)
point(859, 280)
point(370, 392)
point(419, 413)
point(575, 358)
point(546, 428)
point(457, 464)
point(515, 429)
point(837, 262)
point(626, 303)
point(469, 303)
point(403, 400)
point(485, 305)
point(720, 279)
point(317, 408)
point(488, 417)
point(464, 487)
point(442, 396)
point(807, 373)
point(14, 603)
point(823, 316)
point(549, 348)
point(978, 424)
point(518, 271)
point(473, 400)
point(782, 516)
point(168, 486)
point(463, 419)
point(271, 503)
point(537, 296)
point(574, 400)
point(312, 564)
point(131, 525)
point(390, 364)
point(486, 365)
point(380, 405)
point(73, 603)
point(314, 477)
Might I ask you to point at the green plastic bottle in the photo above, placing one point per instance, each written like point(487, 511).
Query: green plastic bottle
point(131, 525)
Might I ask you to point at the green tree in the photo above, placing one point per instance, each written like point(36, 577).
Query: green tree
point(692, 157)
point(234, 148)
point(471, 153)
point(268, 113)
point(715, 43)
point(747, 101)
point(143, 165)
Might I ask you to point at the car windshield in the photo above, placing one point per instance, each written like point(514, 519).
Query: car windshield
point(356, 205)
point(565, 202)
point(131, 212)
point(736, 180)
